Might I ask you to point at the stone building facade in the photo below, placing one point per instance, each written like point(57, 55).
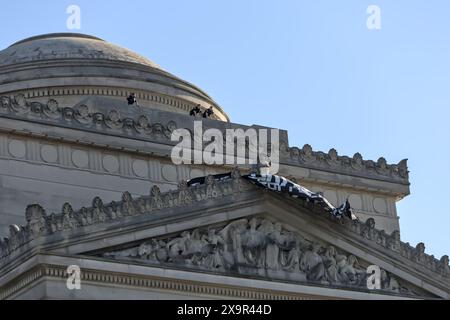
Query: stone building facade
point(87, 180)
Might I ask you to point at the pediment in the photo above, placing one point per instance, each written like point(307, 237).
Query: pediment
point(231, 228)
point(259, 246)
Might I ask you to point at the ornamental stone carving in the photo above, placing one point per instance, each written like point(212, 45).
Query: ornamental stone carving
point(20, 104)
point(382, 166)
point(307, 153)
point(36, 219)
point(52, 110)
point(68, 114)
point(444, 266)
point(98, 118)
point(419, 254)
point(5, 102)
point(128, 124)
point(113, 120)
point(356, 164)
point(258, 247)
point(332, 158)
point(142, 124)
point(82, 114)
point(369, 232)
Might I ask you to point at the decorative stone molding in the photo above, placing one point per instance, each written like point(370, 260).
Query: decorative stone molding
point(81, 114)
point(113, 92)
point(119, 279)
point(257, 247)
point(62, 154)
point(331, 161)
point(149, 97)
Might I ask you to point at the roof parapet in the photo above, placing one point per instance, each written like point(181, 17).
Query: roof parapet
point(355, 165)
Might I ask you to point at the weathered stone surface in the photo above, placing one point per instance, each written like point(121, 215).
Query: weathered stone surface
point(68, 138)
point(257, 247)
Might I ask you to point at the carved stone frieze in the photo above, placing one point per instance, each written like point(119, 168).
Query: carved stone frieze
point(258, 247)
point(18, 105)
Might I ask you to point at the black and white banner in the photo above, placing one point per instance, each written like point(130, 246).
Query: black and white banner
point(283, 185)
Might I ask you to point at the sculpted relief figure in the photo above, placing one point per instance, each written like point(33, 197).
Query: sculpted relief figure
point(311, 262)
point(292, 245)
point(232, 234)
point(388, 282)
point(349, 272)
point(330, 264)
point(195, 245)
point(177, 246)
point(272, 251)
point(253, 244)
point(216, 246)
point(369, 232)
point(292, 260)
point(145, 250)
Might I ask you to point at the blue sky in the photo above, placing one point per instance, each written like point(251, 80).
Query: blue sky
point(311, 67)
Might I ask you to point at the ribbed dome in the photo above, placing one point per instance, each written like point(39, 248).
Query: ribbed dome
point(72, 64)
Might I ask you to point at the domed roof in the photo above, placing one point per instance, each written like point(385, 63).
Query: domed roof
point(68, 45)
point(69, 66)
